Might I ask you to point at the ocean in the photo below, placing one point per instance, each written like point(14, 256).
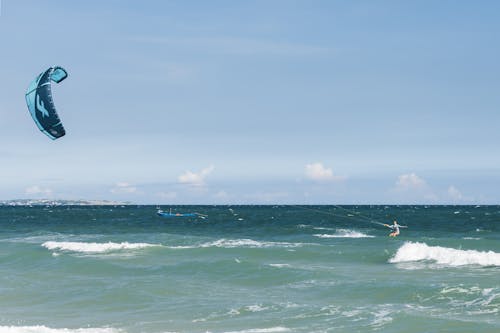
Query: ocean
point(109, 269)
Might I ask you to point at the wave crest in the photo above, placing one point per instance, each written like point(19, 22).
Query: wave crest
point(94, 247)
point(344, 233)
point(230, 243)
point(410, 252)
point(236, 243)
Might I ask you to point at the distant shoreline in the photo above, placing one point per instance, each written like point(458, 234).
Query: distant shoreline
point(55, 202)
point(62, 202)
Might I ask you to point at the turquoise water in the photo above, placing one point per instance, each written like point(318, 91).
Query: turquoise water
point(249, 269)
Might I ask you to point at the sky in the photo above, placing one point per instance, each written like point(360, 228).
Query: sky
point(255, 102)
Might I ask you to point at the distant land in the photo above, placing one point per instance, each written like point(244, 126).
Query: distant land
point(58, 202)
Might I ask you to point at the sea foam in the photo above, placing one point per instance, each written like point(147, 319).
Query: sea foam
point(410, 252)
point(344, 233)
point(85, 247)
point(229, 243)
point(235, 243)
point(263, 330)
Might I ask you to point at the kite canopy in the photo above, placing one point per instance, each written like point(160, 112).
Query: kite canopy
point(41, 105)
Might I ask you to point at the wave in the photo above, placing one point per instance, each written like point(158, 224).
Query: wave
point(44, 329)
point(476, 299)
point(410, 252)
point(471, 290)
point(263, 330)
point(95, 247)
point(344, 233)
point(279, 265)
point(233, 243)
point(248, 243)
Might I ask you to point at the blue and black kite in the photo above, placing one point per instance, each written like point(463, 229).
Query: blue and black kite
point(41, 104)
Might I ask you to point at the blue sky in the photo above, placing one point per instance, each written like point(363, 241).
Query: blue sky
point(217, 102)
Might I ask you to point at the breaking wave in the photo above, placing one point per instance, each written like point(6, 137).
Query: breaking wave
point(233, 243)
point(84, 247)
point(410, 252)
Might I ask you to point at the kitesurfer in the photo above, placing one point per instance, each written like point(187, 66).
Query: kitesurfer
point(395, 228)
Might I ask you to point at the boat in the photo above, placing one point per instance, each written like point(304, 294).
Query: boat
point(162, 213)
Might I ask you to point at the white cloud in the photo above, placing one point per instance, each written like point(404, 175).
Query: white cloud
point(36, 190)
point(410, 181)
point(318, 172)
point(411, 189)
point(122, 187)
point(195, 179)
point(456, 195)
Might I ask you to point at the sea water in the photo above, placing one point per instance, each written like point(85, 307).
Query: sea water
point(108, 269)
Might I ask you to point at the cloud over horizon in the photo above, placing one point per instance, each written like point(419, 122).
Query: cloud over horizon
point(410, 181)
point(318, 172)
point(195, 179)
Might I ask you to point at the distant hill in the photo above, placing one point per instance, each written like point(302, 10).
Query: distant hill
point(57, 202)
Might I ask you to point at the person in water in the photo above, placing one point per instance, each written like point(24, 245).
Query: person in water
point(395, 228)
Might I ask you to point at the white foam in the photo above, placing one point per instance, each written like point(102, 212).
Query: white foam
point(410, 252)
point(256, 308)
point(263, 330)
point(85, 247)
point(344, 233)
point(233, 243)
point(279, 265)
point(473, 290)
point(304, 226)
point(323, 228)
point(44, 329)
point(381, 318)
point(478, 300)
point(459, 290)
point(242, 243)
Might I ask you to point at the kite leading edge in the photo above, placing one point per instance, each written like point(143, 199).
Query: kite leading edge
point(41, 105)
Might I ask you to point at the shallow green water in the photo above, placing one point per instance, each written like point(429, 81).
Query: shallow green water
point(249, 269)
